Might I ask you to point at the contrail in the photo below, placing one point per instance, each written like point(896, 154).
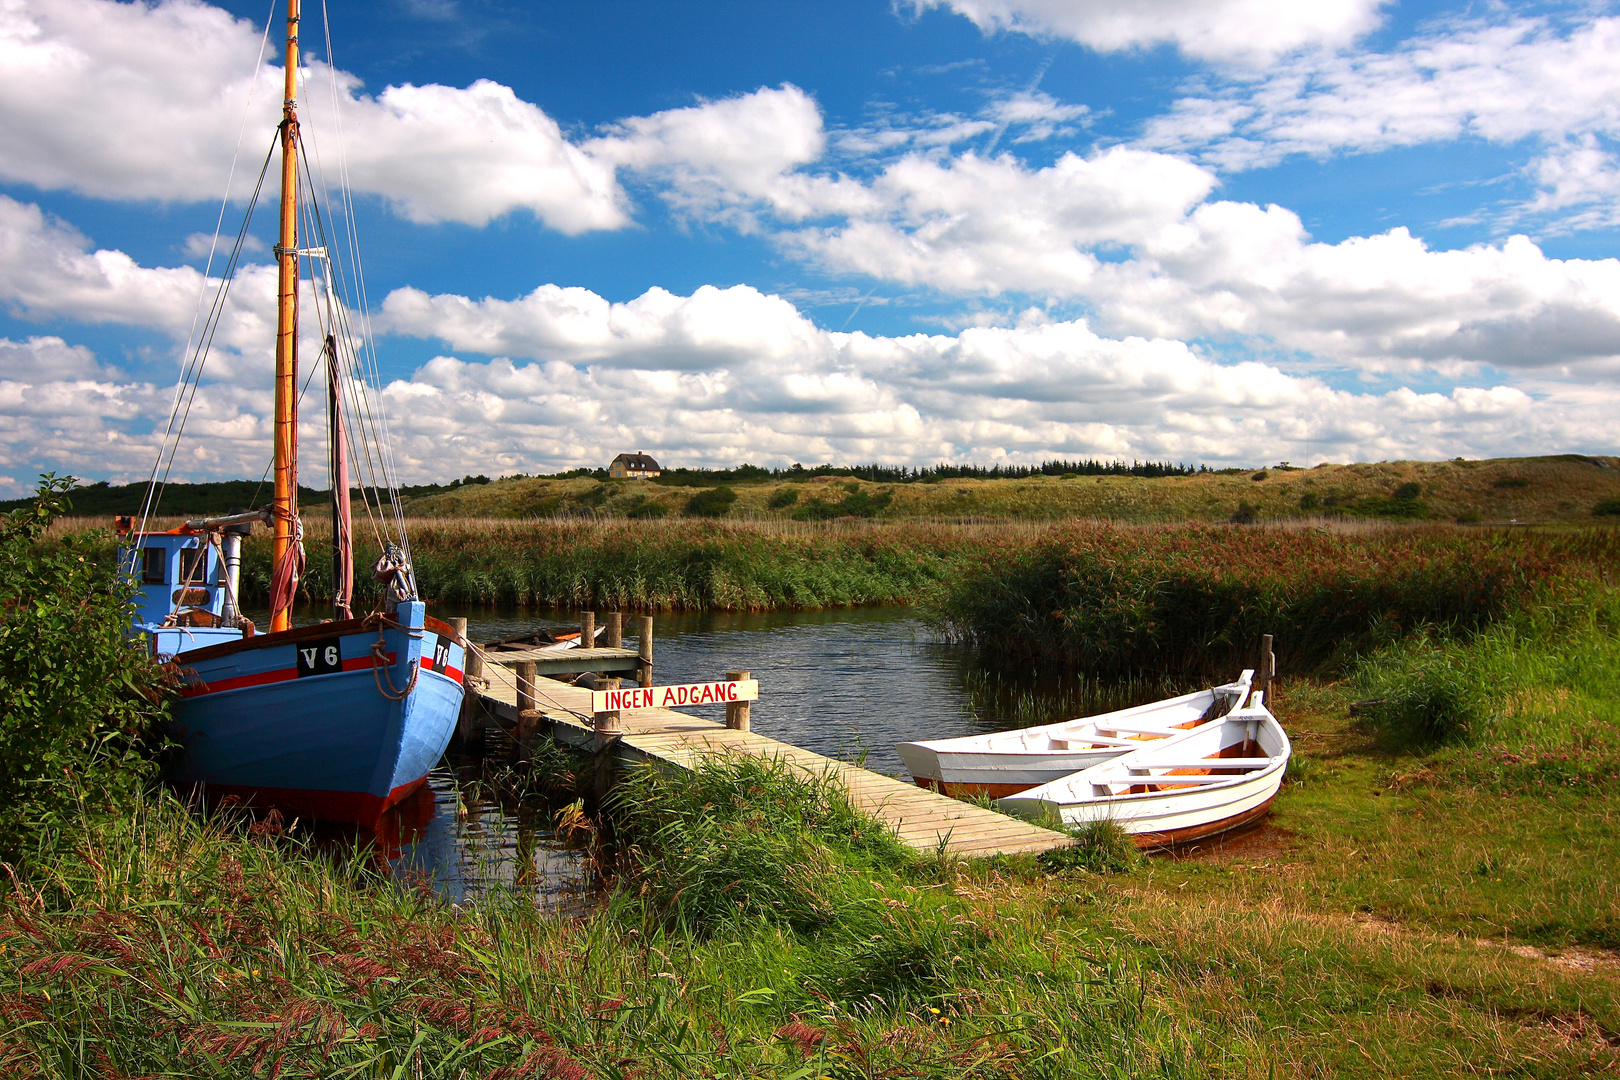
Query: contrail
point(858, 307)
point(1040, 73)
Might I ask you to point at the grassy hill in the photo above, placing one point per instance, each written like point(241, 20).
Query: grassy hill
point(1564, 488)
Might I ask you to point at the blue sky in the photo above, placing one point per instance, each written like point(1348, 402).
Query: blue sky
point(1225, 231)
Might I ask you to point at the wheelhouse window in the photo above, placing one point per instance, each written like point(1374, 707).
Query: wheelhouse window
point(193, 565)
point(154, 566)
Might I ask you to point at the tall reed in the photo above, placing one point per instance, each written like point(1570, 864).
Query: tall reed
point(1196, 599)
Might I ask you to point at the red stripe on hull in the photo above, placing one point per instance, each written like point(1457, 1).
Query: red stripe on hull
point(447, 671)
point(197, 689)
point(360, 807)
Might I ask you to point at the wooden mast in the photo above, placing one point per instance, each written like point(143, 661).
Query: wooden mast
point(286, 431)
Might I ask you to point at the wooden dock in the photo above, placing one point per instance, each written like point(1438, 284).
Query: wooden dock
point(921, 819)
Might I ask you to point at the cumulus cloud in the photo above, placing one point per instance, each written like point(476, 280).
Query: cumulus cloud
point(1133, 234)
point(1499, 81)
point(47, 270)
point(727, 375)
point(77, 76)
point(1224, 30)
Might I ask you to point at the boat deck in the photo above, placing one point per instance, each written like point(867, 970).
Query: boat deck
point(921, 819)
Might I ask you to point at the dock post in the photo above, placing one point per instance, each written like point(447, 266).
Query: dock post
point(587, 629)
point(737, 711)
point(1268, 667)
point(469, 697)
point(615, 630)
point(525, 708)
point(606, 727)
point(644, 670)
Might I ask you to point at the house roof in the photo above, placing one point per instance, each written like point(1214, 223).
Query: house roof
point(635, 461)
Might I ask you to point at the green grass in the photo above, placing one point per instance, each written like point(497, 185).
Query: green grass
point(1563, 488)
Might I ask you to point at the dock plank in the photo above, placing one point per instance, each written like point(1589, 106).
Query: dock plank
point(919, 818)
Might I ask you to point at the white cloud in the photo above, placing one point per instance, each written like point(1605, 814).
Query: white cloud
point(729, 375)
point(77, 77)
point(1500, 81)
point(976, 225)
point(1241, 30)
point(1579, 175)
point(48, 271)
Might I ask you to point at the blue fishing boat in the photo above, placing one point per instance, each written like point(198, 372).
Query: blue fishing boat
point(341, 719)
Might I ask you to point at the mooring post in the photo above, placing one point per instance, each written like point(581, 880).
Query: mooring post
point(607, 727)
point(468, 694)
point(737, 711)
point(587, 629)
point(615, 630)
point(1268, 667)
point(644, 653)
point(526, 714)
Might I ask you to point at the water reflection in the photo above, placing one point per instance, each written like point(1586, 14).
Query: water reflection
point(464, 834)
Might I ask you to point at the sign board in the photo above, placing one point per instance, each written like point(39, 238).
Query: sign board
point(674, 697)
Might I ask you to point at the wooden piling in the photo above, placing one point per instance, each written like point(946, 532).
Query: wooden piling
point(737, 712)
point(587, 629)
point(526, 713)
point(607, 729)
point(615, 630)
point(465, 731)
point(1268, 667)
point(644, 673)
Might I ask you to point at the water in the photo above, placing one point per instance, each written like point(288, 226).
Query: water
point(847, 684)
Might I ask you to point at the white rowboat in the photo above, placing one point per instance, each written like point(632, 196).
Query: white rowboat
point(1194, 785)
point(1008, 762)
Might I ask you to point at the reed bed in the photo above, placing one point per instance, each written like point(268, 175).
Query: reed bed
point(1196, 599)
point(670, 565)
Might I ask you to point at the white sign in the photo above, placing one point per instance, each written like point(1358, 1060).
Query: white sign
point(674, 697)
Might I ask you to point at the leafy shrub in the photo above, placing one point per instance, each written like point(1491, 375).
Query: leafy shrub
point(1607, 508)
point(711, 502)
point(647, 510)
point(857, 503)
point(1261, 475)
point(80, 706)
point(1408, 491)
point(1422, 693)
point(1511, 482)
point(1245, 514)
point(783, 497)
point(1309, 501)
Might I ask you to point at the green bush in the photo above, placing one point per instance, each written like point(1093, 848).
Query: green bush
point(648, 511)
point(858, 502)
point(1422, 693)
point(782, 498)
point(1607, 508)
point(1408, 491)
point(711, 502)
point(80, 706)
point(1245, 514)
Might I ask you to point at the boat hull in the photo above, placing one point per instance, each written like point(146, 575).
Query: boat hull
point(322, 721)
point(1009, 762)
point(1193, 786)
